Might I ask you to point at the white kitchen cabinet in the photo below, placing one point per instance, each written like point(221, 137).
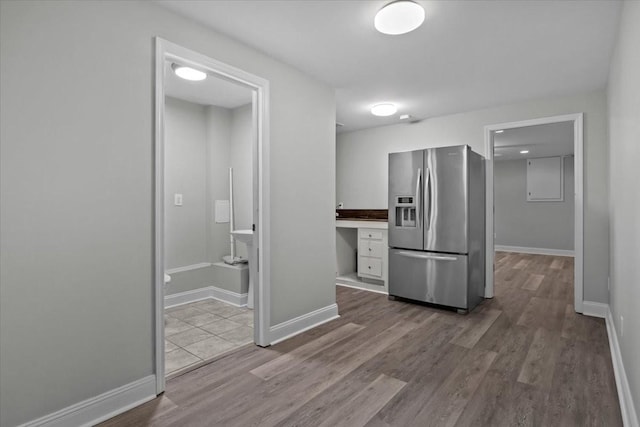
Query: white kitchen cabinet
point(372, 248)
point(362, 254)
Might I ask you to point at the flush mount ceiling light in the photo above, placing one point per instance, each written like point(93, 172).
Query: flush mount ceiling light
point(499, 131)
point(188, 73)
point(524, 152)
point(384, 110)
point(399, 17)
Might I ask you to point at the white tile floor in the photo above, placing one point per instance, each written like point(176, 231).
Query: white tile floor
point(202, 330)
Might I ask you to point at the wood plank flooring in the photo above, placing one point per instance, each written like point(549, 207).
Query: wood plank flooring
point(523, 358)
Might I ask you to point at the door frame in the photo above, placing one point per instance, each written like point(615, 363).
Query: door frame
point(578, 151)
point(168, 51)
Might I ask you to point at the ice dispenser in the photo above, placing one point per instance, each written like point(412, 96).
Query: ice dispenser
point(405, 211)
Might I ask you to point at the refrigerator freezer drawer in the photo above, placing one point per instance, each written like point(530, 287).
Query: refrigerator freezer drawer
point(428, 276)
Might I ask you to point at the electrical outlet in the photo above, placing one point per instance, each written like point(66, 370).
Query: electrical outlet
point(177, 199)
point(621, 326)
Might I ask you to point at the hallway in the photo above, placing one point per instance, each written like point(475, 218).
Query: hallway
point(522, 358)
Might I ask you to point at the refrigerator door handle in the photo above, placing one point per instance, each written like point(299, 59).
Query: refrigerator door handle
point(418, 198)
point(428, 188)
point(423, 256)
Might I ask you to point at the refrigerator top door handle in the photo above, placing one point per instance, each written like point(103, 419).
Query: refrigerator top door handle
point(424, 256)
point(418, 198)
point(428, 191)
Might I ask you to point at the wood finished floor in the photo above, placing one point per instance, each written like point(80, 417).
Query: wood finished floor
point(523, 358)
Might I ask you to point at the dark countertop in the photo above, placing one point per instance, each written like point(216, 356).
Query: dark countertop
point(380, 215)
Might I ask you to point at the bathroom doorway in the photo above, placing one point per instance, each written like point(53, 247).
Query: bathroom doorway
point(211, 199)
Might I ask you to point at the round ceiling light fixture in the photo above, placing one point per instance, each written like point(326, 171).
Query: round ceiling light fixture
point(383, 110)
point(188, 73)
point(399, 17)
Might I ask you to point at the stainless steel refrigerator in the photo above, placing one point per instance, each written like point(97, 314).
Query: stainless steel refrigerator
point(437, 226)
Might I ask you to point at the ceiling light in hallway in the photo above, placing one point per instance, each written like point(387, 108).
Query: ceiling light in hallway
point(384, 110)
point(188, 73)
point(399, 17)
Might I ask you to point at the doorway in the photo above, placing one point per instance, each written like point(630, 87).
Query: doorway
point(575, 123)
point(251, 94)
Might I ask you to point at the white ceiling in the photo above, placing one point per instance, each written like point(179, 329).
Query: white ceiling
point(550, 140)
point(467, 55)
point(211, 91)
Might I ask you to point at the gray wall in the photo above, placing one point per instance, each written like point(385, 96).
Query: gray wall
point(361, 163)
point(76, 262)
point(624, 133)
point(218, 123)
point(186, 173)
point(543, 225)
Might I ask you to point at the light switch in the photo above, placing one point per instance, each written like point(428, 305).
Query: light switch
point(177, 199)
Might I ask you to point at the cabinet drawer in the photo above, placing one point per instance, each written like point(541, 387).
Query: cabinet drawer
point(368, 233)
point(369, 266)
point(370, 248)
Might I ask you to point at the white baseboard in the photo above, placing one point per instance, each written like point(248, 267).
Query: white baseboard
point(295, 326)
point(627, 408)
point(187, 297)
point(595, 309)
point(535, 251)
point(188, 268)
point(233, 298)
point(100, 408)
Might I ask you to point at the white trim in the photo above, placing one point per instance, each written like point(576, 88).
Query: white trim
point(489, 209)
point(102, 407)
point(188, 268)
point(578, 142)
point(595, 309)
point(233, 298)
point(209, 292)
point(165, 50)
point(186, 297)
point(538, 251)
point(158, 218)
point(627, 408)
point(300, 324)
